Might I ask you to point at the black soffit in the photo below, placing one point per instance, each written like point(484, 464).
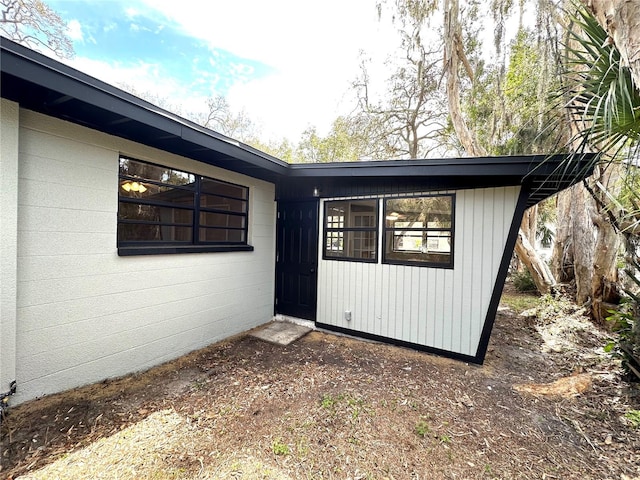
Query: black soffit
point(44, 85)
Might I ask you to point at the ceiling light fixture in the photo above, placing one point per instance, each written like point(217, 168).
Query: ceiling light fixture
point(134, 187)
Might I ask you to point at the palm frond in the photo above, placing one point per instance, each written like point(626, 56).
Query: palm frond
point(601, 96)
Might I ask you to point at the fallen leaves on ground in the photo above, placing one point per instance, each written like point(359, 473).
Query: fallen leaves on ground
point(331, 407)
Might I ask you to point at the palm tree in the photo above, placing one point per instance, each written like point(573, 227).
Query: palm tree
point(604, 107)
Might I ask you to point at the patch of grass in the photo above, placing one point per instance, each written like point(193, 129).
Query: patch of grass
point(165, 474)
point(328, 401)
point(422, 428)
point(354, 405)
point(280, 448)
point(634, 417)
point(519, 302)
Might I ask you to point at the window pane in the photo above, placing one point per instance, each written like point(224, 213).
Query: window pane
point(215, 187)
point(132, 232)
point(153, 213)
point(222, 235)
point(350, 214)
point(351, 229)
point(334, 243)
point(362, 245)
point(437, 242)
point(156, 173)
point(222, 203)
point(208, 219)
point(419, 230)
point(425, 248)
point(407, 240)
point(335, 221)
point(158, 204)
point(351, 244)
point(422, 212)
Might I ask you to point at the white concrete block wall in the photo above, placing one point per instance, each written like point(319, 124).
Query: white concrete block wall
point(436, 307)
point(85, 314)
point(9, 135)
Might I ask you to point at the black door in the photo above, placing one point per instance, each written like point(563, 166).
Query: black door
point(297, 259)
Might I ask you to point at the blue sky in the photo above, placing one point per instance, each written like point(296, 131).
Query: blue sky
point(289, 64)
point(125, 34)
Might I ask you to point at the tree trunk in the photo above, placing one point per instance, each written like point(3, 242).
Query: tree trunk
point(530, 224)
point(572, 257)
point(584, 239)
point(586, 248)
point(529, 229)
point(453, 48)
point(604, 284)
point(562, 253)
point(540, 273)
point(621, 20)
point(453, 55)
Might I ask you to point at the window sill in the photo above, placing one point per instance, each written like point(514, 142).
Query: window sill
point(408, 263)
point(173, 249)
point(351, 259)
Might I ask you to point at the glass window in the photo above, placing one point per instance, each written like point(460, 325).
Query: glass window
point(351, 230)
point(419, 230)
point(164, 206)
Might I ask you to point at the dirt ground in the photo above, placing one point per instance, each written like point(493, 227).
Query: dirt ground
point(330, 407)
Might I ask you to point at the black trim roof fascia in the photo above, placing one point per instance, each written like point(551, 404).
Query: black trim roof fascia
point(542, 175)
point(513, 165)
point(63, 84)
point(47, 86)
point(530, 167)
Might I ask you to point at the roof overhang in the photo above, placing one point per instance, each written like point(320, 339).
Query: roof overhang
point(44, 85)
point(542, 175)
point(47, 86)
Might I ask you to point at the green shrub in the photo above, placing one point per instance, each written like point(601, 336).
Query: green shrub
point(523, 281)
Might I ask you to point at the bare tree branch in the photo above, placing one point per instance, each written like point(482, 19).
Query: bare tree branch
point(33, 24)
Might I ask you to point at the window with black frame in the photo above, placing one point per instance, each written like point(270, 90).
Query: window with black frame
point(161, 206)
point(419, 231)
point(351, 230)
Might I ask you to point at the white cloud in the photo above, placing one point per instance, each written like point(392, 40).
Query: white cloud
point(144, 77)
point(131, 12)
point(74, 30)
point(280, 32)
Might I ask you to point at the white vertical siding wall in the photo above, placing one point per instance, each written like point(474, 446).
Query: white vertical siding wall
point(435, 307)
point(85, 314)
